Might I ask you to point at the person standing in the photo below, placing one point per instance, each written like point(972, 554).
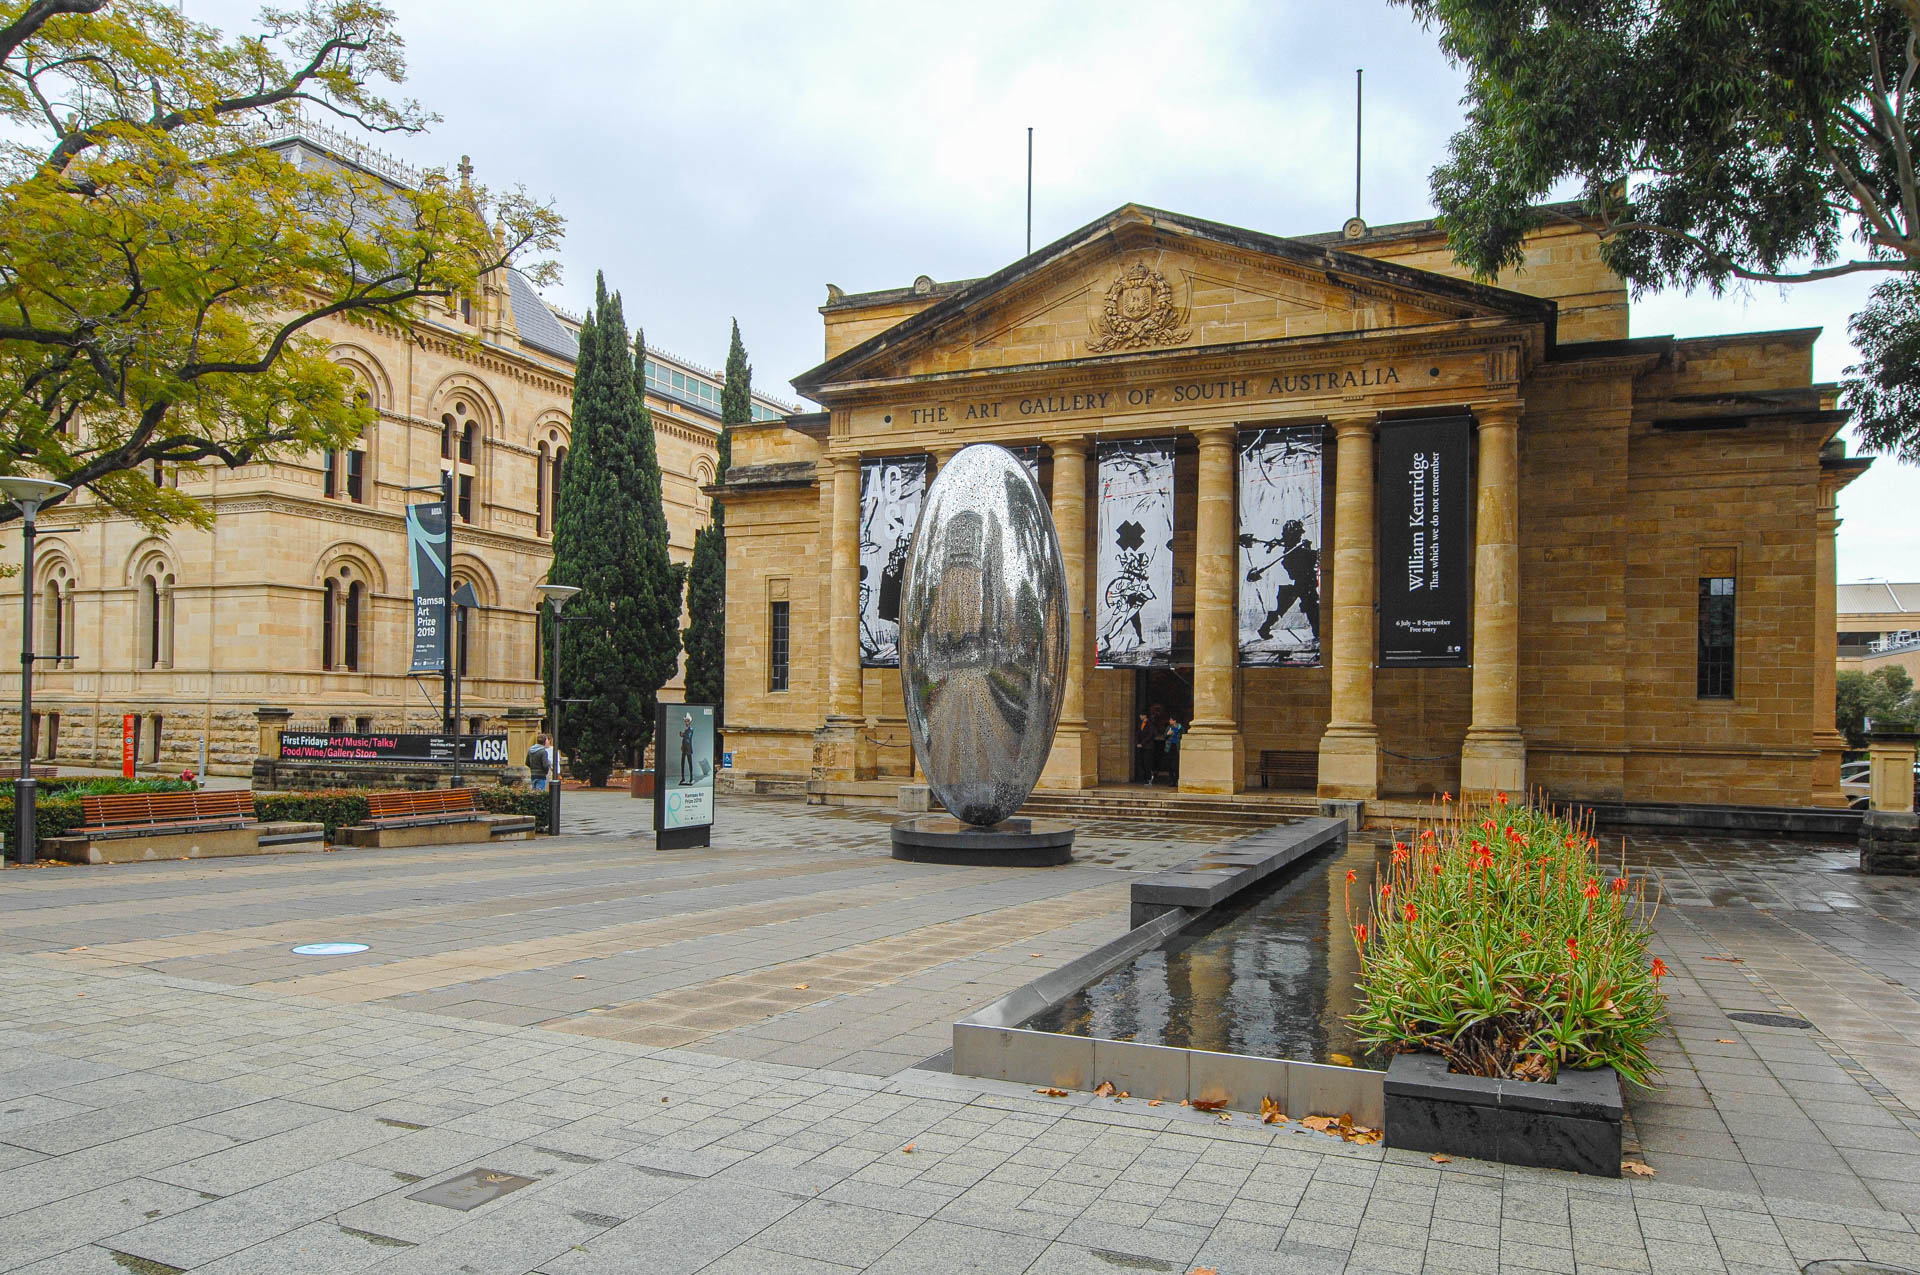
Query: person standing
point(540, 763)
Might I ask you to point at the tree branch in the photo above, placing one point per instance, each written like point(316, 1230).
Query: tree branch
point(24, 27)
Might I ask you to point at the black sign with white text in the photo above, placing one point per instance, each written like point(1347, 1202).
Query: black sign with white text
point(483, 750)
point(1425, 575)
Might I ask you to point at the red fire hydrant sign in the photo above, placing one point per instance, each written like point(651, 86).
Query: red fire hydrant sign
point(126, 745)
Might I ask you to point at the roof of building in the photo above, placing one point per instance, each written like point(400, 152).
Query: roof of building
point(536, 322)
point(1879, 597)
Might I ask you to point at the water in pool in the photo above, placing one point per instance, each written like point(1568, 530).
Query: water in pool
point(1271, 974)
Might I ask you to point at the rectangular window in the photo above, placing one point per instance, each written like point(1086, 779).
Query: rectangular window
point(154, 756)
point(466, 498)
point(356, 476)
point(777, 648)
point(327, 484)
point(1715, 672)
point(363, 726)
point(53, 736)
point(336, 725)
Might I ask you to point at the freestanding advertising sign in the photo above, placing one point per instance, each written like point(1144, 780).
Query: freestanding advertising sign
point(1425, 498)
point(426, 550)
point(126, 745)
point(683, 776)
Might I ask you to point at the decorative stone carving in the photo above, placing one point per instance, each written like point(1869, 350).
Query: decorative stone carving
point(1139, 312)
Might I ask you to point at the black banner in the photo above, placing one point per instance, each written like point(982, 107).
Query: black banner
point(426, 551)
point(483, 750)
point(1425, 576)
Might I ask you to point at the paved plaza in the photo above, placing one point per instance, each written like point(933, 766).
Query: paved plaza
point(705, 1061)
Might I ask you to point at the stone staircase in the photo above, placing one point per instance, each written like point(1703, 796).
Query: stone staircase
point(1170, 806)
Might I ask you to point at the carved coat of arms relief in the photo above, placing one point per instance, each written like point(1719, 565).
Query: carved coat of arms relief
point(1139, 311)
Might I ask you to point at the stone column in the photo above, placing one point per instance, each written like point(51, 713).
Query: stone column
point(1494, 756)
point(1212, 753)
point(1890, 832)
point(836, 741)
point(1828, 742)
point(1075, 759)
point(267, 755)
point(1350, 748)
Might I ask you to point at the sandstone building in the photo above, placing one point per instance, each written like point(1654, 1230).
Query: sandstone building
point(1647, 607)
point(299, 596)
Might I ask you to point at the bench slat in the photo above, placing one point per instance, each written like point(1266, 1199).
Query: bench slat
point(382, 806)
point(137, 809)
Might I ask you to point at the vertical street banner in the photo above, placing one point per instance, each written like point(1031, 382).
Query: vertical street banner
point(1280, 497)
point(1425, 501)
point(890, 492)
point(1135, 577)
point(683, 773)
point(427, 568)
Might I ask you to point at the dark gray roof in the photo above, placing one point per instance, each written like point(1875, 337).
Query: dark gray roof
point(537, 324)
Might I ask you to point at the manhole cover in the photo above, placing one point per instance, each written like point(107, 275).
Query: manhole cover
point(1760, 1018)
point(471, 1189)
point(1848, 1266)
point(329, 949)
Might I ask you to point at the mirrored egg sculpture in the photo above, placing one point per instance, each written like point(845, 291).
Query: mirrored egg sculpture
point(983, 634)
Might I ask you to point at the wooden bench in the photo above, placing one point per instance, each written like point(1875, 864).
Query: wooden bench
point(136, 814)
point(432, 816)
point(136, 826)
point(1296, 771)
point(427, 806)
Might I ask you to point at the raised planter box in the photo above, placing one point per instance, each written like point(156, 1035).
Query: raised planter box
point(1572, 1123)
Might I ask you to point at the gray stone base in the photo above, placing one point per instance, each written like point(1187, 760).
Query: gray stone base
point(1012, 843)
point(1890, 844)
point(1572, 1123)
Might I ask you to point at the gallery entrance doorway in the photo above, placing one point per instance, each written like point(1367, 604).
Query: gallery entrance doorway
point(1162, 710)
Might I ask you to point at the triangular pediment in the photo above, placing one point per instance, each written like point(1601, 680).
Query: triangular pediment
point(1141, 280)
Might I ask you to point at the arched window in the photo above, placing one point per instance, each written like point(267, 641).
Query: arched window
point(540, 475)
point(559, 475)
point(350, 628)
point(468, 433)
point(156, 615)
point(53, 625)
point(460, 444)
point(329, 601)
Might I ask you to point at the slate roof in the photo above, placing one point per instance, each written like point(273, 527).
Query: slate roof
point(537, 324)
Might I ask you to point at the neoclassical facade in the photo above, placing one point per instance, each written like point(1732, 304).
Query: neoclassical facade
point(1648, 594)
point(298, 597)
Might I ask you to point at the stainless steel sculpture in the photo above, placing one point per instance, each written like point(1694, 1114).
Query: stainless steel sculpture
point(983, 634)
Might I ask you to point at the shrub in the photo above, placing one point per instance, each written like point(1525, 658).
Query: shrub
point(1497, 940)
point(502, 800)
point(81, 786)
point(52, 817)
point(336, 808)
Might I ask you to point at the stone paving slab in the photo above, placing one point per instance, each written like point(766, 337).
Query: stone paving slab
point(178, 1092)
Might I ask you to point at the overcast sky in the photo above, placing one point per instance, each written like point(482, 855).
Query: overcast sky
point(732, 159)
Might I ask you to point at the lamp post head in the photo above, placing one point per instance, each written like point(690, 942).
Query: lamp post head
point(557, 595)
point(30, 493)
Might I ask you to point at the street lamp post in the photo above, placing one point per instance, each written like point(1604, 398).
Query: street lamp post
point(557, 596)
point(27, 494)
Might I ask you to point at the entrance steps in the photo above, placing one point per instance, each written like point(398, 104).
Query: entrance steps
point(1248, 810)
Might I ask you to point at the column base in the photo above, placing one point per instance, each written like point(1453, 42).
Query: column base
point(836, 752)
point(1493, 761)
point(1212, 760)
point(1826, 769)
point(1350, 763)
point(1074, 762)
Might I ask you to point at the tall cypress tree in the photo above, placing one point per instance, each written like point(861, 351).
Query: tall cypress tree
point(707, 585)
point(654, 619)
point(607, 528)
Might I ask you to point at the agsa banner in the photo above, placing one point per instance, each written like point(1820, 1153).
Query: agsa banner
point(376, 746)
point(1425, 575)
point(1135, 554)
point(427, 568)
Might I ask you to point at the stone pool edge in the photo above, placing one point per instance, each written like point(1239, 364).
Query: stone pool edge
point(990, 1043)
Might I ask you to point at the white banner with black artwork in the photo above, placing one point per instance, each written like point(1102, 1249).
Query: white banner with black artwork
point(890, 492)
point(1279, 609)
point(1136, 554)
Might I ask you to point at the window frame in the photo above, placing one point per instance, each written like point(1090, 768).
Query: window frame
point(1716, 638)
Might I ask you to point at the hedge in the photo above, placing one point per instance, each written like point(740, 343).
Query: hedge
point(513, 801)
point(86, 786)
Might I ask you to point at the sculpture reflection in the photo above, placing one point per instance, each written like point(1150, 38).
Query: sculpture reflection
point(983, 634)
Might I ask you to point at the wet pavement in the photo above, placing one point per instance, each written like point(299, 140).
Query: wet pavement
point(701, 1061)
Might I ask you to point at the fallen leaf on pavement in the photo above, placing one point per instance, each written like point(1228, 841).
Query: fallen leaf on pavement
point(1052, 1093)
point(1209, 1104)
point(1104, 1089)
point(1340, 1060)
point(1270, 1112)
point(799, 987)
point(907, 1150)
point(1319, 1124)
point(1723, 1040)
point(578, 977)
point(81, 948)
point(1636, 1168)
point(1204, 1270)
point(1731, 960)
point(1153, 1102)
point(1440, 1159)
point(1033, 954)
point(1122, 1094)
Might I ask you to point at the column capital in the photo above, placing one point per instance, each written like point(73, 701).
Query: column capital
point(844, 461)
point(1353, 423)
point(1500, 414)
point(1216, 432)
point(1071, 445)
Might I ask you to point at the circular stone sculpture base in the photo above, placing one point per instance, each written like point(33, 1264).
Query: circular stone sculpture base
point(1011, 843)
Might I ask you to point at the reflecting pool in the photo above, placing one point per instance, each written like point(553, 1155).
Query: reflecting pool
point(1270, 974)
